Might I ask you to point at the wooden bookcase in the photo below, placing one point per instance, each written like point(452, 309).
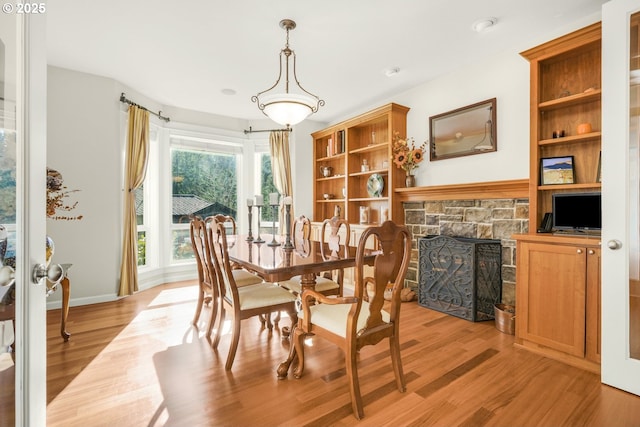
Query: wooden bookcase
point(344, 147)
point(558, 276)
point(565, 92)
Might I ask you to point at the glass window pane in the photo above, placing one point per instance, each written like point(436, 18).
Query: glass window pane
point(204, 184)
point(266, 186)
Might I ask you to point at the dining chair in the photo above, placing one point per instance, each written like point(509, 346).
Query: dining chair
point(330, 249)
point(207, 284)
point(242, 302)
point(351, 322)
point(242, 276)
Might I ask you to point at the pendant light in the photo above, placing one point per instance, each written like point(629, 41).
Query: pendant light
point(281, 105)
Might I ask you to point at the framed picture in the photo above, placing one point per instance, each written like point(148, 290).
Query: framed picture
point(557, 170)
point(598, 174)
point(464, 131)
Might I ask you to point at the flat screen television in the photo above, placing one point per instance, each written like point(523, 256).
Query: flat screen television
point(577, 211)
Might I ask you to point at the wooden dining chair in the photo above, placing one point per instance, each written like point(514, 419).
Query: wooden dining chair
point(330, 249)
point(351, 322)
point(242, 276)
point(242, 302)
point(208, 287)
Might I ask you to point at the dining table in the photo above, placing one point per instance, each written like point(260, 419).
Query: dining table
point(276, 263)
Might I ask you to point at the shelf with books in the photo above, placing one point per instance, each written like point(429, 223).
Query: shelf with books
point(365, 141)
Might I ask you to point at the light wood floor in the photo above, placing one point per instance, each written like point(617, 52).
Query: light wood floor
point(138, 362)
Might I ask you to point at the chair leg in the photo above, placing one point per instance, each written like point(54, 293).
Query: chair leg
point(199, 305)
point(218, 324)
point(396, 362)
point(298, 336)
point(213, 316)
point(354, 382)
point(233, 347)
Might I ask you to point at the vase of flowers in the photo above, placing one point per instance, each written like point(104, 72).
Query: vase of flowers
point(407, 156)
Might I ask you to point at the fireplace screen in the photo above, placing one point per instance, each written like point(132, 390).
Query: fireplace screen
point(460, 276)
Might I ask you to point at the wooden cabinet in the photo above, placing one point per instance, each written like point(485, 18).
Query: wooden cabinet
point(353, 154)
point(558, 298)
point(558, 276)
point(565, 114)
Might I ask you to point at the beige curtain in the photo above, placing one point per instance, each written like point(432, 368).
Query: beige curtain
point(281, 167)
point(135, 170)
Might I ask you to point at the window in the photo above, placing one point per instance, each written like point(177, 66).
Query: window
point(265, 184)
point(142, 229)
point(204, 182)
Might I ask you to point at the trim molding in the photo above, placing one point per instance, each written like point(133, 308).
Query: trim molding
point(510, 189)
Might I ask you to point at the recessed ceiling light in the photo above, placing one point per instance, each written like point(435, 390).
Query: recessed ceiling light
point(392, 71)
point(482, 24)
point(228, 91)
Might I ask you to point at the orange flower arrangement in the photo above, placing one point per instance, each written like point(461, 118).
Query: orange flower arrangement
point(405, 153)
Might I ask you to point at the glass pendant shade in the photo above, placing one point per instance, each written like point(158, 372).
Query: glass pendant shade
point(288, 108)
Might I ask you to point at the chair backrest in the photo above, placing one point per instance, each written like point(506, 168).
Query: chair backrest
point(199, 243)
point(220, 255)
point(228, 220)
point(390, 267)
point(301, 235)
point(301, 229)
point(332, 241)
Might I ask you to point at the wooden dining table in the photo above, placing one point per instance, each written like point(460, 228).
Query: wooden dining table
point(276, 264)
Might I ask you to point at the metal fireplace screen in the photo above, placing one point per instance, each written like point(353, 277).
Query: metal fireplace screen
point(460, 276)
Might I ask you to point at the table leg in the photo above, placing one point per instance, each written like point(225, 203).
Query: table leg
point(65, 308)
point(307, 281)
point(283, 368)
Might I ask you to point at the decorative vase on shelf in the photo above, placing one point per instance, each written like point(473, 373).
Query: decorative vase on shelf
point(410, 181)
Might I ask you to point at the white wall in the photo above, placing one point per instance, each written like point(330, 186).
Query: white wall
point(83, 145)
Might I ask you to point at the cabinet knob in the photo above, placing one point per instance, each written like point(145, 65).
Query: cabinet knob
point(591, 252)
point(579, 251)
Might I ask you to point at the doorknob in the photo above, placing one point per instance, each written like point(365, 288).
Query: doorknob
point(614, 244)
point(7, 276)
point(53, 273)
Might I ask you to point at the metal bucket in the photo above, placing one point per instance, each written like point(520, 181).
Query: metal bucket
point(505, 318)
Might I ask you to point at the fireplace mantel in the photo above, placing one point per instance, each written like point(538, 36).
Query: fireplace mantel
point(518, 188)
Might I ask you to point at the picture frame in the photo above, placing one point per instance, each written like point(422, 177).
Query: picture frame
point(599, 173)
point(557, 170)
point(464, 131)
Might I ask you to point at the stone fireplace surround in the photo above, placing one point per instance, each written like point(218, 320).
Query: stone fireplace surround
point(492, 210)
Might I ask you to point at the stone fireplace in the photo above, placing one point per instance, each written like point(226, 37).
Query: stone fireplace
point(477, 218)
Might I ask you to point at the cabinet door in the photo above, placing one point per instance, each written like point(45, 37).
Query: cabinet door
point(593, 305)
point(551, 296)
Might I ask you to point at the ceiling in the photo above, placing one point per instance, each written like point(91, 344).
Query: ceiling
point(186, 53)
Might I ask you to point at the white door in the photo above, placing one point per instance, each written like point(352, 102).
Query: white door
point(621, 194)
point(22, 211)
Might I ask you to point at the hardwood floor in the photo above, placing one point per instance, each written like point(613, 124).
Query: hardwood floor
point(138, 362)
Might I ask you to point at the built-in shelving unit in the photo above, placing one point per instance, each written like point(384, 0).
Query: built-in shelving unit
point(343, 150)
point(558, 276)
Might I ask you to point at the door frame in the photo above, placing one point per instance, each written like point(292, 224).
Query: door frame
point(31, 124)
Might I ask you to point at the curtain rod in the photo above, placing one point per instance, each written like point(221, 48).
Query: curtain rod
point(266, 130)
point(158, 114)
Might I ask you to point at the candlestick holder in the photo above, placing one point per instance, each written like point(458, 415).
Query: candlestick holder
point(288, 244)
point(250, 235)
point(258, 239)
point(273, 241)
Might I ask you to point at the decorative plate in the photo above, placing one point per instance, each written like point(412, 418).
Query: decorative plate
point(375, 185)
